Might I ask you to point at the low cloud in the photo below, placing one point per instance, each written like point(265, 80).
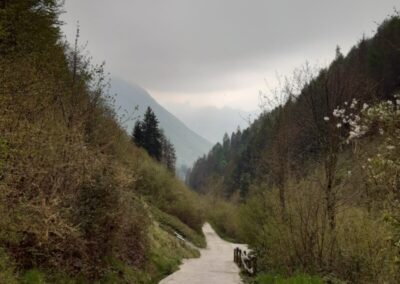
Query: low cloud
point(195, 47)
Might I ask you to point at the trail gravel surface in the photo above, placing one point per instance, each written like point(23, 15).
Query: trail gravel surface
point(215, 265)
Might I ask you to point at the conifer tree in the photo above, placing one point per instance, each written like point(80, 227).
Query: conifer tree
point(137, 134)
point(152, 135)
point(147, 135)
point(168, 154)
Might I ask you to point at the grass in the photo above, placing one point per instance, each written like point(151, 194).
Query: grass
point(296, 279)
point(33, 276)
point(166, 254)
point(6, 269)
point(172, 224)
point(164, 257)
point(221, 233)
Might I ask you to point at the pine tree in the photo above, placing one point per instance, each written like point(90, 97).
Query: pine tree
point(137, 134)
point(168, 154)
point(152, 135)
point(147, 135)
point(29, 26)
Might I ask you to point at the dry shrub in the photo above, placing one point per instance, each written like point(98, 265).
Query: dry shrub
point(358, 250)
point(365, 250)
point(67, 197)
point(113, 222)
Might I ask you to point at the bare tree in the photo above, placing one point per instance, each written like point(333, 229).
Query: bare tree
point(281, 98)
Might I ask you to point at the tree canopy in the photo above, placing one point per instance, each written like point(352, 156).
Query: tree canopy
point(147, 135)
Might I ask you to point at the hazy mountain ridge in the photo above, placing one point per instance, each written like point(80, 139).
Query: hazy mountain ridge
point(188, 145)
point(211, 122)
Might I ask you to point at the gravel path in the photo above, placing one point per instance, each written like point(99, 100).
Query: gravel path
point(215, 265)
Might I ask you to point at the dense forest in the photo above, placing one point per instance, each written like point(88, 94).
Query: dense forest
point(313, 184)
point(79, 201)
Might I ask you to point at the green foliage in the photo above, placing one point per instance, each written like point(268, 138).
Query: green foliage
point(224, 218)
point(74, 190)
point(163, 191)
point(172, 224)
point(7, 274)
point(297, 279)
point(147, 135)
point(28, 26)
point(278, 141)
point(33, 276)
point(320, 194)
point(3, 153)
point(357, 251)
point(163, 258)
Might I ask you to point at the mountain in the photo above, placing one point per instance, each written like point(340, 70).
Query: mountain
point(212, 122)
point(188, 145)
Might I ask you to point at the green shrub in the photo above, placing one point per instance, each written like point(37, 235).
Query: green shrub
point(297, 279)
point(224, 218)
point(165, 192)
point(173, 224)
point(33, 276)
point(7, 274)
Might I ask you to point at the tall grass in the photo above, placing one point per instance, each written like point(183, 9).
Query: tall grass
point(277, 279)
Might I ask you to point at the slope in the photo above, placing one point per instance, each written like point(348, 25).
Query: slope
point(188, 145)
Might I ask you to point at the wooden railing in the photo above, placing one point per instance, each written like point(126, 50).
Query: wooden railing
point(245, 260)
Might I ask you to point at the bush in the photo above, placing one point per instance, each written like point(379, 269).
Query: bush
point(224, 217)
point(277, 279)
point(7, 273)
point(163, 191)
point(359, 250)
point(172, 224)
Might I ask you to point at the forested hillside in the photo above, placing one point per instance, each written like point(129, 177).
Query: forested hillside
point(313, 184)
point(292, 131)
point(189, 145)
point(79, 202)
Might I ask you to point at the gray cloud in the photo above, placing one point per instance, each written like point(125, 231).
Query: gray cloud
point(196, 46)
point(211, 122)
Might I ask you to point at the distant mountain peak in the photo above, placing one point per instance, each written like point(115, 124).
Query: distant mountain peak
point(188, 144)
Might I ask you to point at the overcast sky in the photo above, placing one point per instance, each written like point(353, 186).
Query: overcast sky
point(217, 53)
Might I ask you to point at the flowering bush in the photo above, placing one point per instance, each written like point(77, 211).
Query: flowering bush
point(383, 168)
point(356, 121)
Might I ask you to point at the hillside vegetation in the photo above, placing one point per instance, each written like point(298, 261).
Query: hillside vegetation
point(188, 144)
point(313, 184)
point(77, 197)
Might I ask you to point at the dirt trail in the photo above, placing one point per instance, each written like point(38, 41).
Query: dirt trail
point(215, 265)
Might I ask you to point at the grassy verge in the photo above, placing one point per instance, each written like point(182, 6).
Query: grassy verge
point(267, 278)
point(222, 234)
point(164, 257)
point(172, 224)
